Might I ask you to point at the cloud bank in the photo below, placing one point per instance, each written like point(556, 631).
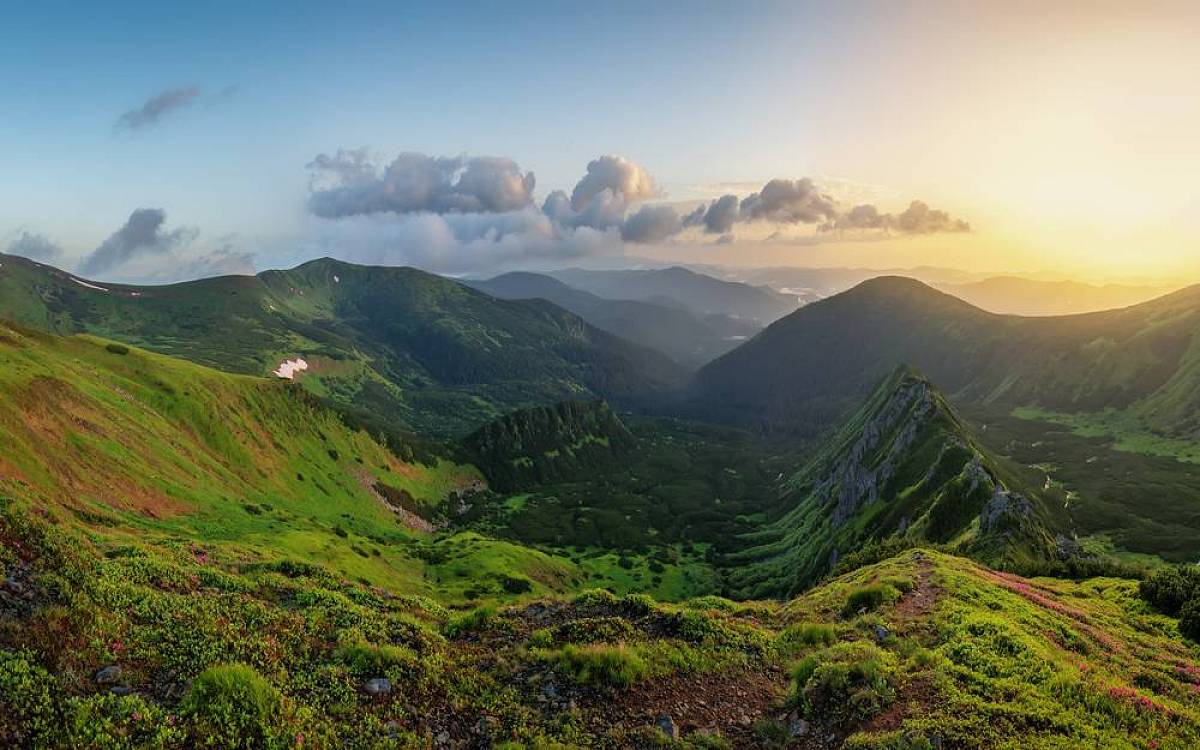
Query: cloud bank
point(460, 213)
point(33, 246)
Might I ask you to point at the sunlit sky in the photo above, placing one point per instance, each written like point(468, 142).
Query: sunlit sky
point(1067, 134)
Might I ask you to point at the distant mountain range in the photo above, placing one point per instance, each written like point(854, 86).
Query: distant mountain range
point(805, 371)
point(678, 287)
point(687, 337)
point(401, 347)
point(1004, 294)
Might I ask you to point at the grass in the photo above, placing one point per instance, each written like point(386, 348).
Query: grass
point(1126, 430)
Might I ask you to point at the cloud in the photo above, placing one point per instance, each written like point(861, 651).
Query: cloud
point(349, 184)
point(223, 261)
point(34, 246)
point(460, 243)
point(651, 224)
point(717, 217)
point(141, 235)
point(789, 202)
point(918, 218)
point(604, 210)
point(154, 108)
point(460, 214)
point(623, 178)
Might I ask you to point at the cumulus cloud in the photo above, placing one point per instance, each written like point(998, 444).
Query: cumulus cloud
point(141, 235)
point(650, 224)
point(33, 246)
point(789, 202)
point(717, 217)
point(348, 183)
point(157, 106)
point(623, 178)
point(918, 218)
point(455, 214)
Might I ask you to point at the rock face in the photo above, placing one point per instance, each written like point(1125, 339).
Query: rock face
point(905, 465)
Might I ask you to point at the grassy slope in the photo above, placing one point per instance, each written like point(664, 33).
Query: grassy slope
point(403, 347)
point(904, 464)
point(146, 446)
point(955, 656)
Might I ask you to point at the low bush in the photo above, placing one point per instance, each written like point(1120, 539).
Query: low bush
point(232, 706)
point(602, 664)
point(870, 597)
point(1169, 589)
point(845, 682)
point(808, 634)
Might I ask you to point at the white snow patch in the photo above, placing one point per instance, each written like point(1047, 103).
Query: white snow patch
point(336, 280)
point(89, 286)
point(289, 368)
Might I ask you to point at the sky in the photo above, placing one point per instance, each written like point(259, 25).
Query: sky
point(147, 141)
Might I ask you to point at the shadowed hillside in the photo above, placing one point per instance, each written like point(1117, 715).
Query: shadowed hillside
point(806, 370)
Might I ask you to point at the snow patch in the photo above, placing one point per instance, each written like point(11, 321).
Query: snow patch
point(336, 280)
point(89, 286)
point(289, 368)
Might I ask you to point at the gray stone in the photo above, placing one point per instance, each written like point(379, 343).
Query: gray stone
point(882, 633)
point(798, 728)
point(109, 675)
point(378, 686)
point(668, 727)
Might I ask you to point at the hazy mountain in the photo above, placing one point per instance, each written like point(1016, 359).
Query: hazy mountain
point(679, 287)
point(1020, 296)
point(903, 465)
point(688, 338)
point(804, 371)
point(398, 345)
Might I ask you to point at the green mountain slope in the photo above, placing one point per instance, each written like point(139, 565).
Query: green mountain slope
point(701, 294)
point(548, 443)
point(904, 465)
point(136, 444)
point(806, 370)
point(400, 347)
point(688, 338)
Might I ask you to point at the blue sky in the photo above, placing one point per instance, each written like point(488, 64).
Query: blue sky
point(878, 95)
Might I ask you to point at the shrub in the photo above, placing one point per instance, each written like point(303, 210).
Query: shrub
point(903, 585)
point(595, 629)
point(479, 620)
point(1168, 589)
point(516, 584)
point(870, 597)
point(232, 706)
point(602, 665)
point(119, 349)
point(845, 682)
point(1189, 620)
point(368, 659)
point(809, 634)
point(28, 702)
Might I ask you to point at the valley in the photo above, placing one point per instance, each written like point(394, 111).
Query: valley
point(615, 557)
